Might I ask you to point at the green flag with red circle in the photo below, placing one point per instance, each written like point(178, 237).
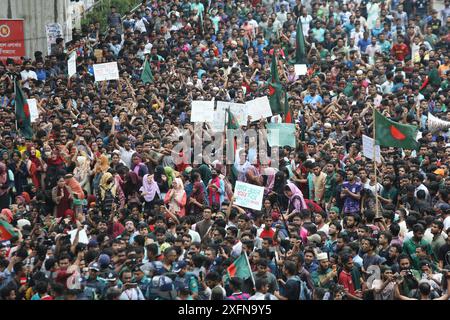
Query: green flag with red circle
point(23, 117)
point(389, 133)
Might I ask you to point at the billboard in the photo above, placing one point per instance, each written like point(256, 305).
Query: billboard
point(12, 39)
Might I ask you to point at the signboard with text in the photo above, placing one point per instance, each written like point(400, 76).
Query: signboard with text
point(12, 39)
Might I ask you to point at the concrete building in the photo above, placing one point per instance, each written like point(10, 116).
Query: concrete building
point(36, 14)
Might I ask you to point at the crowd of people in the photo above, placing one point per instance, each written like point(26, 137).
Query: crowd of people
point(100, 210)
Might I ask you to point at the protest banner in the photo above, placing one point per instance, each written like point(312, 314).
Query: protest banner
point(248, 195)
point(202, 111)
point(218, 123)
point(281, 134)
point(259, 107)
point(106, 71)
point(12, 39)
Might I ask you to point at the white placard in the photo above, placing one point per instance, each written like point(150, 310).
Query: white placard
point(202, 111)
point(300, 69)
point(259, 107)
point(72, 64)
point(248, 195)
point(34, 112)
point(53, 31)
point(82, 236)
point(368, 145)
point(218, 123)
point(106, 71)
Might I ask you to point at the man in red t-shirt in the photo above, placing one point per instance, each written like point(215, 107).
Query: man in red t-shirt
point(400, 50)
point(346, 279)
point(267, 231)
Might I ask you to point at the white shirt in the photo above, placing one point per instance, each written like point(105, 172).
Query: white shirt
point(195, 236)
point(132, 294)
point(446, 223)
point(305, 24)
point(126, 156)
point(25, 75)
point(262, 296)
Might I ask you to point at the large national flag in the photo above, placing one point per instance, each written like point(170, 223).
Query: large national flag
point(6, 231)
point(147, 75)
point(275, 88)
point(240, 268)
point(300, 48)
point(389, 133)
point(22, 112)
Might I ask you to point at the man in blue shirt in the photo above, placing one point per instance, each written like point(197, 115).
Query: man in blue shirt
point(364, 42)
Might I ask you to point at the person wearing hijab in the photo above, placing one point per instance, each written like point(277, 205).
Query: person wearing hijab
point(216, 190)
point(20, 171)
point(161, 179)
point(62, 197)
point(5, 186)
point(205, 172)
point(101, 167)
point(197, 200)
point(176, 198)
point(277, 194)
point(138, 167)
point(7, 215)
point(296, 200)
point(170, 174)
point(268, 174)
point(82, 173)
point(55, 168)
point(31, 168)
point(150, 192)
point(107, 194)
point(77, 191)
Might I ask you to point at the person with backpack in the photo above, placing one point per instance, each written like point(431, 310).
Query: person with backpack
point(293, 288)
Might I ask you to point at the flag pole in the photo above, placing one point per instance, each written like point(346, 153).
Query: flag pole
point(15, 104)
point(249, 267)
point(375, 171)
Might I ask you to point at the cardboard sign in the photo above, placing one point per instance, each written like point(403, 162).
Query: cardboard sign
point(34, 112)
point(106, 71)
point(72, 64)
point(281, 134)
point(248, 195)
point(259, 107)
point(202, 111)
point(301, 69)
point(368, 145)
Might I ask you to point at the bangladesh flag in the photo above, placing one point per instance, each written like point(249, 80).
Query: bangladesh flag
point(389, 133)
point(22, 112)
point(288, 116)
point(300, 48)
point(6, 231)
point(275, 88)
point(147, 75)
point(232, 122)
point(240, 268)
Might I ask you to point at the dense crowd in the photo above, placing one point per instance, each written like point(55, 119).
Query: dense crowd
point(100, 209)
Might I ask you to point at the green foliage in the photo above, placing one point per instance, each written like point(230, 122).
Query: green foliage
point(101, 11)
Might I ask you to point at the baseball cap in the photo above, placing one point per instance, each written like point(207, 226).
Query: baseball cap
point(112, 276)
point(94, 266)
point(178, 266)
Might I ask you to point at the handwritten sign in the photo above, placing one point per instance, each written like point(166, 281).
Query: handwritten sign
point(106, 71)
point(53, 31)
point(259, 107)
point(300, 69)
point(202, 111)
point(248, 195)
point(72, 64)
point(34, 112)
point(281, 134)
point(368, 145)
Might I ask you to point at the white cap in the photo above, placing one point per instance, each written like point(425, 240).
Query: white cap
point(327, 125)
point(359, 72)
point(322, 256)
